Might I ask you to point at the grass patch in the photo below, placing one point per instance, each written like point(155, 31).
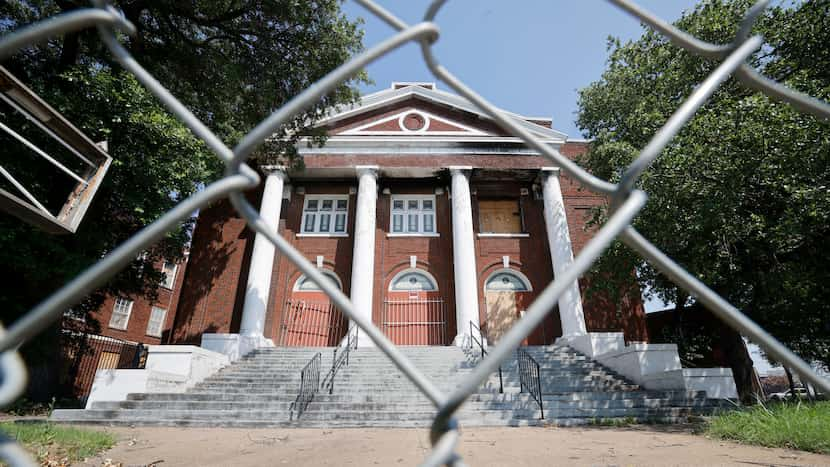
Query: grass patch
point(618, 422)
point(55, 443)
point(803, 426)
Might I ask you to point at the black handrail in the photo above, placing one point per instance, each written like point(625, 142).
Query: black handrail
point(309, 385)
point(483, 352)
point(530, 377)
point(338, 360)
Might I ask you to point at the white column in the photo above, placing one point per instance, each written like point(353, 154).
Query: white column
point(258, 288)
point(464, 256)
point(363, 256)
point(561, 253)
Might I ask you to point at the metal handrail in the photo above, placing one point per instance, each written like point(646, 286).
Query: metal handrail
point(530, 377)
point(480, 343)
point(309, 385)
point(338, 360)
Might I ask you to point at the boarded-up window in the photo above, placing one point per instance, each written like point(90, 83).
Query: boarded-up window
point(500, 216)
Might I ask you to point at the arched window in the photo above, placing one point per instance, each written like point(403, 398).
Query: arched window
point(507, 280)
point(413, 279)
point(305, 284)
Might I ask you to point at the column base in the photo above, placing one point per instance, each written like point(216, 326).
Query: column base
point(235, 346)
point(594, 343)
point(465, 341)
point(363, 340)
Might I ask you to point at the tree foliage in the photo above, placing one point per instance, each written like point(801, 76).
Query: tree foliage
point(741, 197)
point(231, 62)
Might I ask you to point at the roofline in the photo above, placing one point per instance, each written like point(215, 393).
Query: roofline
point(397, 95)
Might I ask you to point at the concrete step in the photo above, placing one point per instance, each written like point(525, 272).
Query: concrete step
point(604, 397)
point(406, 384)
point(260, 389)
point(242, 423)
point(347, 418)
point(320, 404)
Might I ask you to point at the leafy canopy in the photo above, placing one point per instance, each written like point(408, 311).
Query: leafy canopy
point(231, 62)
point(741, 197)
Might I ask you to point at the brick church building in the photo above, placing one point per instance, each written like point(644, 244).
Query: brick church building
point(420, 209)
point(441, 228)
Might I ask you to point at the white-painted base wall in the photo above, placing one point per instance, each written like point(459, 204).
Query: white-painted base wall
point(652, 366)
point(234, 346)
point(170, 368)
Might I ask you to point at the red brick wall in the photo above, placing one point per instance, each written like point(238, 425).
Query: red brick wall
point(336, 251)
point(140, 315)
point(530, 255)
point(214, 285)
point(434, 254)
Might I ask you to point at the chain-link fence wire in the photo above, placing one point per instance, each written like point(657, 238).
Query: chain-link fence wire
point(626, 201)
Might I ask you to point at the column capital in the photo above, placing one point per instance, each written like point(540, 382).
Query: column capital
point(278, 170)
point(367, 169)
point(550, 171)
point(460, 169)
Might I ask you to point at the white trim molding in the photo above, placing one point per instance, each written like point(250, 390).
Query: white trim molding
point(503, 235)
point(402, 130)
point(337, 216)
point(412, 235)
point(321, 235)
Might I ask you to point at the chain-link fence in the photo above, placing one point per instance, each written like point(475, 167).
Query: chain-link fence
point(626, 201)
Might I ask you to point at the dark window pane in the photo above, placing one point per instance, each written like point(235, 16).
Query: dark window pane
point(309, 223)
point(340, 223)
point(413, 222)
point(428, 227)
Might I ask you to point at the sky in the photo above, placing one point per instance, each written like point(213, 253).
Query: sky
point(525, 56)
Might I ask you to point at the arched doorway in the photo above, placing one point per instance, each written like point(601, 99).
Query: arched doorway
point(309, 319)
point(505, 293)
point(413, 312)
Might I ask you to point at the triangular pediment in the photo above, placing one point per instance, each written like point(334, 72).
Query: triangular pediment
point(424, 111)
point(413, 120)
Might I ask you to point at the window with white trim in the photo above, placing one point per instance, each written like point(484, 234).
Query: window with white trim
point(412, 281)
point(156, 322)
point(121, 313)
point(412, 214)
point(325, 214)
point(169, 269)
point(305, 284)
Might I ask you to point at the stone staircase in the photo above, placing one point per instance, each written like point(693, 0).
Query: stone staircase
point(259, 391)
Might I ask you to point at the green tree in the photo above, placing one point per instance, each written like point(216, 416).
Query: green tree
point(231, 62)
point(740, 197)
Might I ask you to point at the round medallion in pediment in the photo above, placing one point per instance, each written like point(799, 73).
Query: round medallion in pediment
point(413, 122)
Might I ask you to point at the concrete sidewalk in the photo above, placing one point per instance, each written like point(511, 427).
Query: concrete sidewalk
point(636, 445)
